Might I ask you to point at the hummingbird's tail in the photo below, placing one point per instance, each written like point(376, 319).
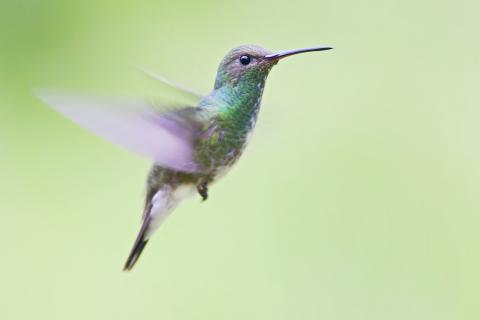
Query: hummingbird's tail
point(157, 208)
point(138, 246)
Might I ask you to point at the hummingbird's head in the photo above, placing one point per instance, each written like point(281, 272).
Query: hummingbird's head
point(244, 63)
point(251, 64)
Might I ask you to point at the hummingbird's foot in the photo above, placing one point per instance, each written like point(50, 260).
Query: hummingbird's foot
point(202, 189)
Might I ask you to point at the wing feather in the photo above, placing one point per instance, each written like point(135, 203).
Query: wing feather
point(166, 137)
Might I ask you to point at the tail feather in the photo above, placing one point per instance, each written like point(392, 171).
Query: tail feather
point(138, 246)
point(157, 207)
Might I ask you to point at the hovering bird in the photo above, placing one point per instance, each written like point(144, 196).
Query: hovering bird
point(191, 146)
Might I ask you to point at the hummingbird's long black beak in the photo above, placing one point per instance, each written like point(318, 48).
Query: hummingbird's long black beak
point(283, 54)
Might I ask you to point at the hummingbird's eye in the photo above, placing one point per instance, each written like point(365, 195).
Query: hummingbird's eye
point(245, 60)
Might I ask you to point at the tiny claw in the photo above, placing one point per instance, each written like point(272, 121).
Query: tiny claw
point(203, 190)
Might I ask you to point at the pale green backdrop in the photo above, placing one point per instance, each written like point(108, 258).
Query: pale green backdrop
point(359, 198)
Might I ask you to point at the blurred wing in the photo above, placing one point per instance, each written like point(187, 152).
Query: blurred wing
point(167, 137)
point(180, 88)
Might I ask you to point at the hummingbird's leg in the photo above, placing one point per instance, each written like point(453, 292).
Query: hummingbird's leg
point(202, 189)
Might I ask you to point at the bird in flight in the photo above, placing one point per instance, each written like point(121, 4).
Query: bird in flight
point(191, 146)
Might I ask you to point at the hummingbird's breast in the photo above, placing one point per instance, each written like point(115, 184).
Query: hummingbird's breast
point(220, 145)
point(227, 131)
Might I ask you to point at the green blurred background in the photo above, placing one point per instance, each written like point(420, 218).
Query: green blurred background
point(358, 199)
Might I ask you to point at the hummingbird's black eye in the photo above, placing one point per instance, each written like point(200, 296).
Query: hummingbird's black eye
point(245, 60)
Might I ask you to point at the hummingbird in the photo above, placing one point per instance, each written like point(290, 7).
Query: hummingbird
point(191, 146)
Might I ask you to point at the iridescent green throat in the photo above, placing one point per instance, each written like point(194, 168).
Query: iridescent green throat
point(236, 106)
